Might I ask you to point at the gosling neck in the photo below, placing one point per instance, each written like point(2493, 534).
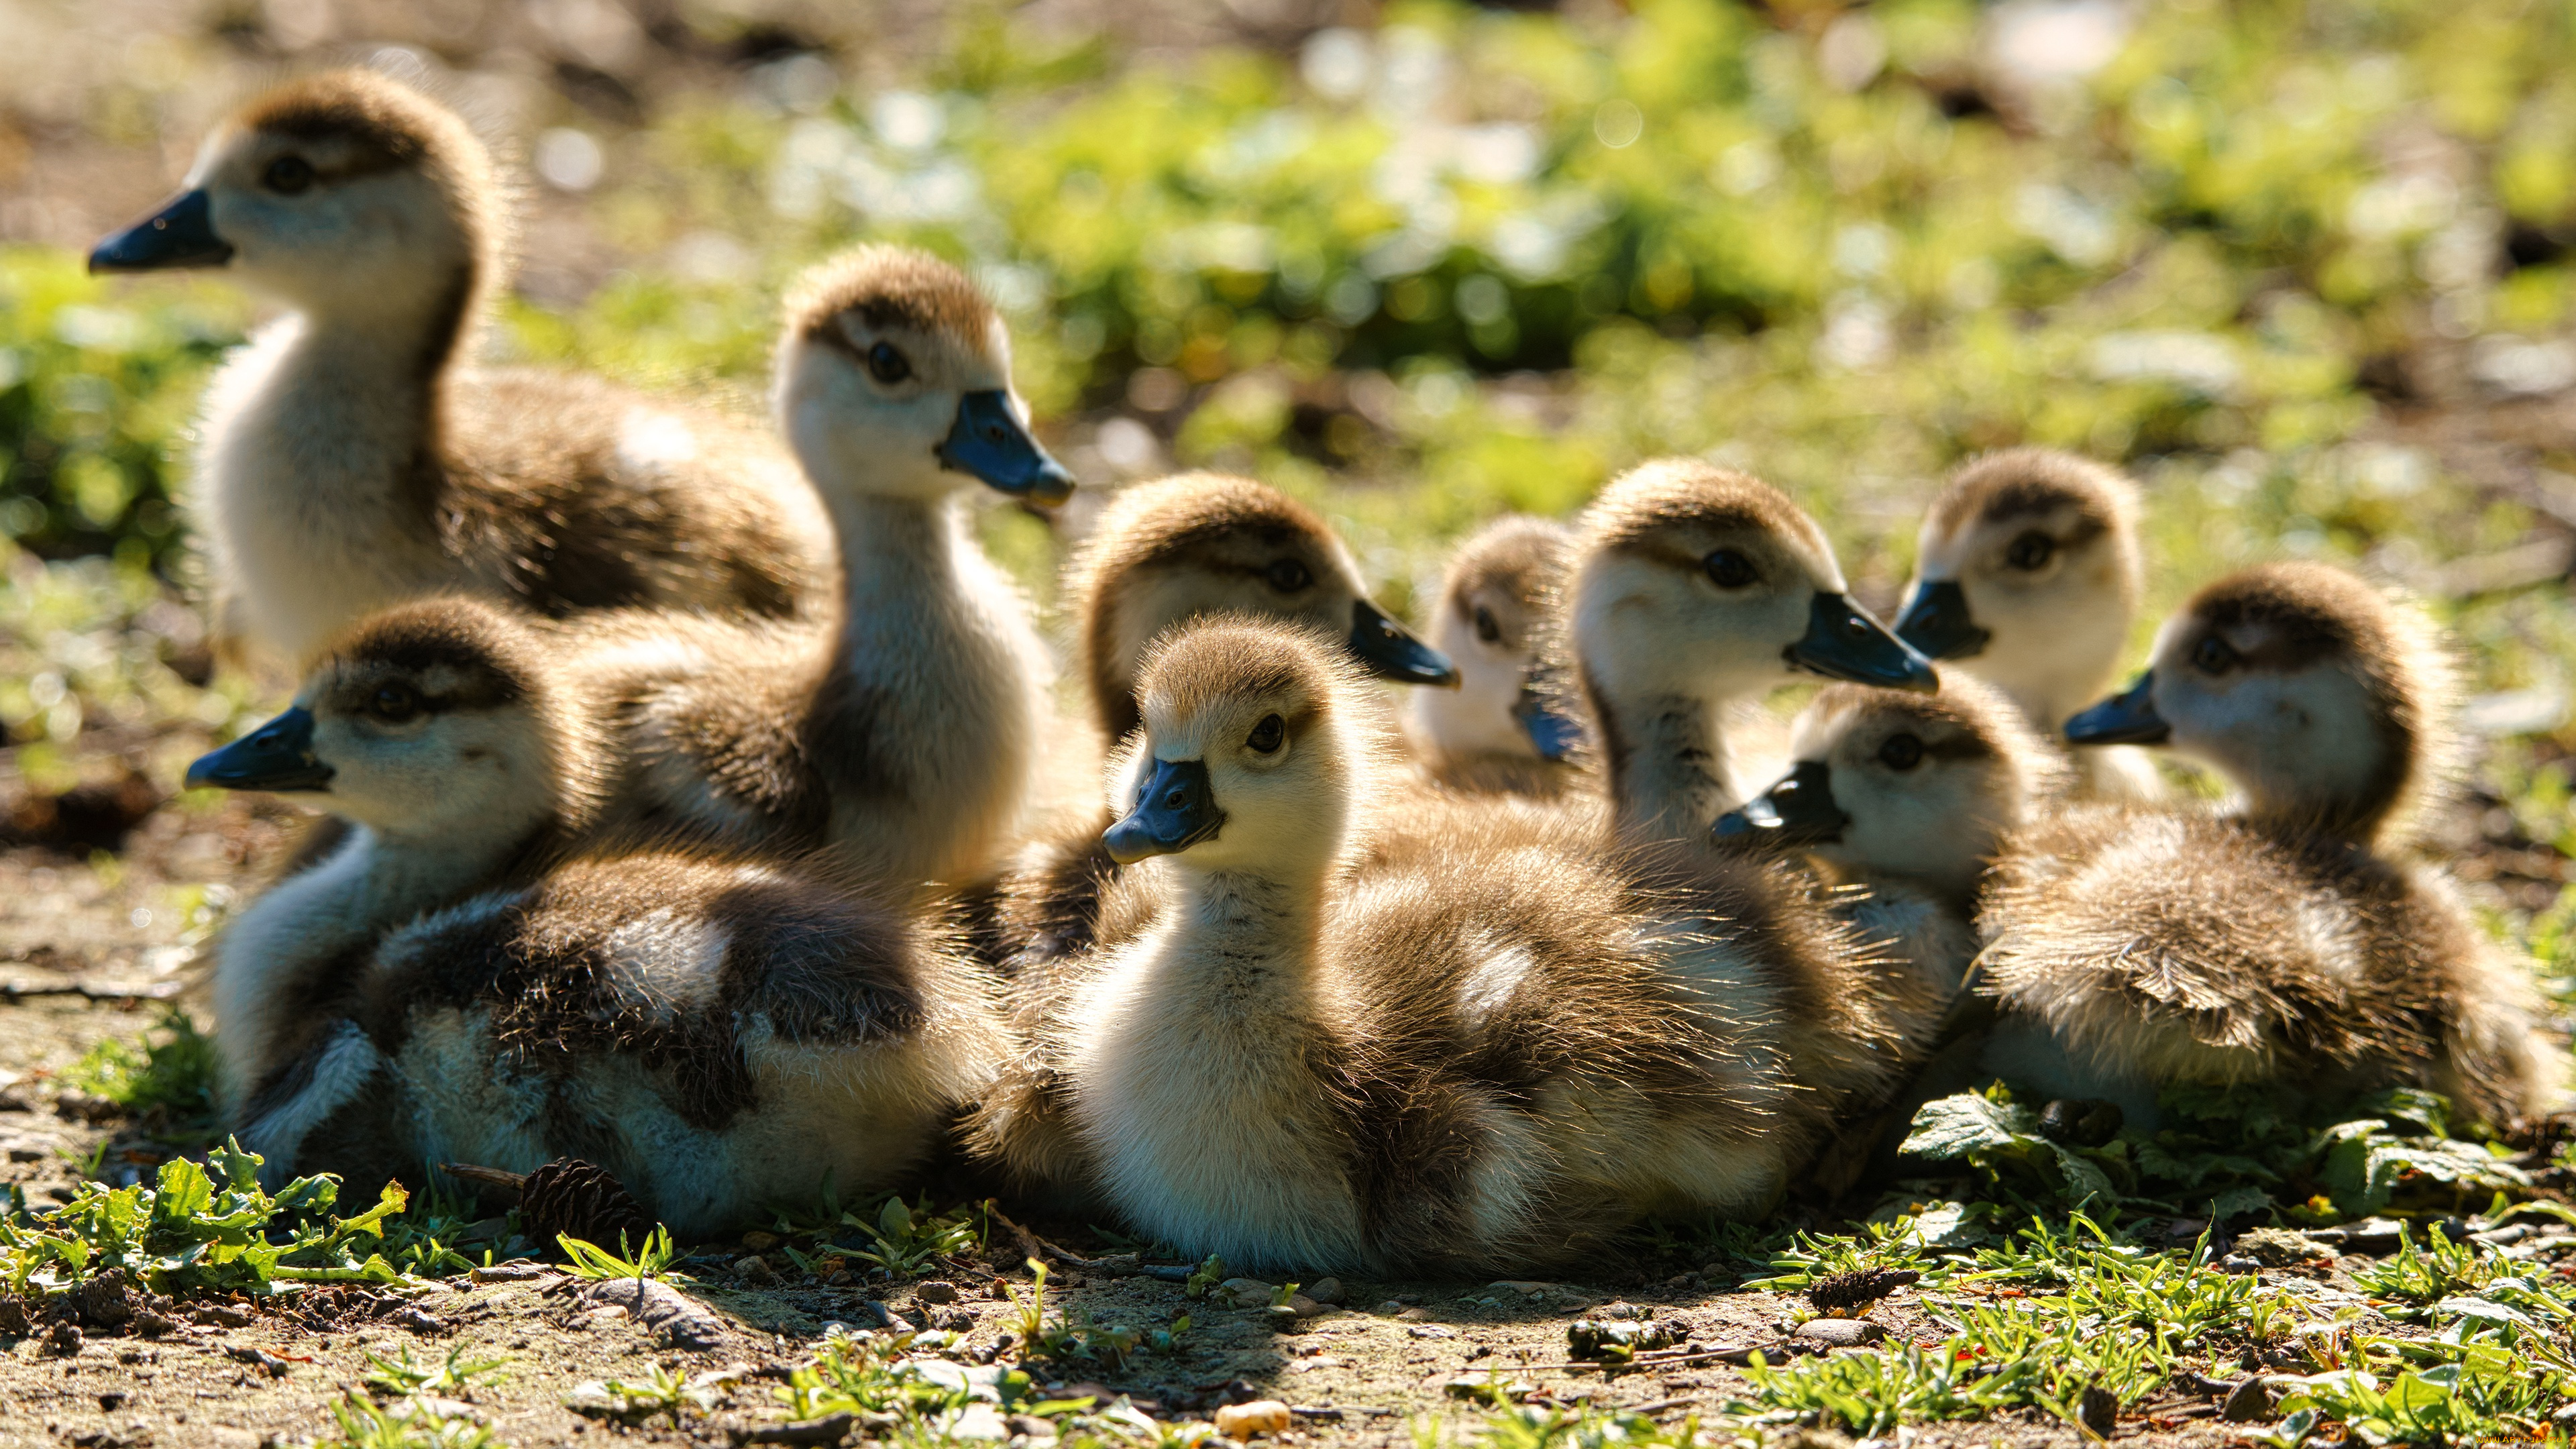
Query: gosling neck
point(1243, 941)
point(366, 385)
point(1670, 771)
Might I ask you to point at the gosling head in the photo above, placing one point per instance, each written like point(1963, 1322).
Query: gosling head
point(1694, 581)
point(1257, 738)
point(2027, 572)
point(1199, 544)
point(894, 381)
point(434, 721)
point(1496, 594)
point(347, 195)
point(2325, 702)
point(1922, 787)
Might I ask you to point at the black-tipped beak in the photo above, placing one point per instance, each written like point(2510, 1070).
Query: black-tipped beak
point(1844, 642)
point(276, 756)
point(1798, 811)
point(2124, 719)
point(989, 442)
point(1391, 651)
point(181, 234)
point(1936, 620)
point(1175, 809)
point(1552, 732)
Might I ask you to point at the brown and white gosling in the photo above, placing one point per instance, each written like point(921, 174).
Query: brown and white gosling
point(908, 743)
point(1907, 798)
point(2027, 573)
point(352, 455)
point(1467, 1061)
point(2133, 950)
point(717, 1031)
point(1498, 730)
point(1693, 590)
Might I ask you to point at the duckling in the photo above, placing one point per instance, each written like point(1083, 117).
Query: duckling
point(1206, 543)
point(909, 742)
point(1908, 797)
point(1467, 1061)
point(718, 1031)
point(352, 456)
point(438, 733)
point(1164, 553)
point(1691, 587)
point(1498, 730)
point(2027, 573)
point(2132, 950)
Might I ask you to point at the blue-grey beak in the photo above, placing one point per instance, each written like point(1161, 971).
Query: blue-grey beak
point(276, 756)
point(181, 234)
point(1844, 642)
point(1391, 651)
point(989, 442)
point(1175, 809)
point(1936, 620)
point(1551, 732)
point(1798, 811)
point(2129, 718)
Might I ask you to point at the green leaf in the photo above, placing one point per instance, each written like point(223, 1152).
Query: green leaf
point(1954, 1127)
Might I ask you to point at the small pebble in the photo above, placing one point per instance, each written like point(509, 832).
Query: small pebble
point(2247, 1402)
point(760, 1242)
point(1241, 1422)
point(935, 1291)
point(755, 1269)
point(1839, 1332)
point(1326, 1290)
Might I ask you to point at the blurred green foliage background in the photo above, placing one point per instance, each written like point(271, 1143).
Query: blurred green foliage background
point(2304, 267)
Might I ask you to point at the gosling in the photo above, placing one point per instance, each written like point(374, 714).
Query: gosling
point(352, 456)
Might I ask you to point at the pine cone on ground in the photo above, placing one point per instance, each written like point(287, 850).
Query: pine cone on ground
point(571, 1198)
point(578, 1200)
point(1845, 1294)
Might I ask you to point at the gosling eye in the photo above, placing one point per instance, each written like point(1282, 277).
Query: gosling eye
point(395, 703)
point(1486, 628)
point(1729, 569)
point(1288, 575)
point(887, 364)
point(2031, 551)
point(288, 175)
point(1267, 736)
point(2213, 655)
point(1901, 752)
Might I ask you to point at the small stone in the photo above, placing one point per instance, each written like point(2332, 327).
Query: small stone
point(2247, 1402)
point(759, 1242)
point(221, 1315)
point(113, 1399)
point(754, 1269)
point(1246, 1292)
point(1243, 1422)
point(2099, 1410)
point(1431, 1330)
point(1034, 1429)
point(1839, 1332)
point(2279, 1248)
point(935, 1291)
point(1327, 1290)
point(1621, 1311)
